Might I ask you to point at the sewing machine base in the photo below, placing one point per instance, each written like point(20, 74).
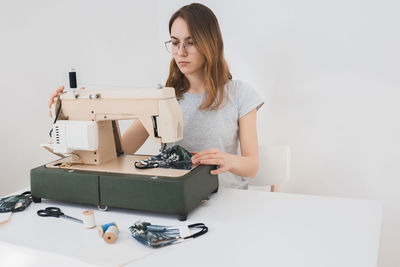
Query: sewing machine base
point(171, 195)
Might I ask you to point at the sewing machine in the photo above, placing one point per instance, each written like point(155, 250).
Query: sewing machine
point(93, 169)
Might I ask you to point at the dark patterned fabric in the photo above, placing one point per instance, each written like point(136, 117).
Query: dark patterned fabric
point(15, 203)
point(175, 157)
point(156, 236)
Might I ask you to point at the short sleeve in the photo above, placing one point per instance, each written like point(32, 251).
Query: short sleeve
point(247, 99)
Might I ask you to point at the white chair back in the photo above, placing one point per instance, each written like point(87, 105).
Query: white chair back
point(274, 165)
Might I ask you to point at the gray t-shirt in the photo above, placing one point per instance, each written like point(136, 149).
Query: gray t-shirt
point(218, 128)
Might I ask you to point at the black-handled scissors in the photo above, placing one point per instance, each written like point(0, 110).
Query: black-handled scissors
point(56, 212)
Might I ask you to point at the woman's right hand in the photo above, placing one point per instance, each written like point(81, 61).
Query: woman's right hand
point(54, 95)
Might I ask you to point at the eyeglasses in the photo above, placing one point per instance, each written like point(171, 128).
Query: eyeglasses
point(173, 47)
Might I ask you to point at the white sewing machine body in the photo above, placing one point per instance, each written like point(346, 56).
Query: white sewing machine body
point(87, 130)
point(69, 136)
point(157, 109)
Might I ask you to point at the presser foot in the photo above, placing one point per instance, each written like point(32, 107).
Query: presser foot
point(163, 148)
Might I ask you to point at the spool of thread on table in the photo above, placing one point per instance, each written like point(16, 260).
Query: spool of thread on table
point(103, 228)
point(72, 79)
point(111, 234)
point(88, 219)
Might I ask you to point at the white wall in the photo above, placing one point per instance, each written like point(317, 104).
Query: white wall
point(328, 71)
point(110, 43)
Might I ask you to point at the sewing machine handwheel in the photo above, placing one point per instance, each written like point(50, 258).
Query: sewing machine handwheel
point(182, 217)
point(36, 199)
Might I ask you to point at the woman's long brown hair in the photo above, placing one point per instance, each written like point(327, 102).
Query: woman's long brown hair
point(206, 35)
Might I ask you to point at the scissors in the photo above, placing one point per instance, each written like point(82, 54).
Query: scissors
point(56, 212)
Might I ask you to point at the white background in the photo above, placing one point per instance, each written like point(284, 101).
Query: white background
point(328, 71)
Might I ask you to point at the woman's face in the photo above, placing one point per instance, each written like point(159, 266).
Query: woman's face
point(186, 56)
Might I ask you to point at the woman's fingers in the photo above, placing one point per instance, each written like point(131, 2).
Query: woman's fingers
point(60, 89)
point(205, 152)
point(54, 95)
point(211, 161)
point(218, 171)
point(211, 156)
point(207, 156)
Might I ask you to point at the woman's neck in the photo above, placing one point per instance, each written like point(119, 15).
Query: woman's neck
point(196, 81)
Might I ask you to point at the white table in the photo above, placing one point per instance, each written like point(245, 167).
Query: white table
point(246, 228)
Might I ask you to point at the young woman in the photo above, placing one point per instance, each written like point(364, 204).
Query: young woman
point(219, 114)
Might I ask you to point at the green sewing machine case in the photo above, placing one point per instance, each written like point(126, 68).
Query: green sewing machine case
point(171, 195)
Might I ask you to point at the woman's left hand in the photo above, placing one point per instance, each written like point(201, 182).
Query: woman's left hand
point(214, 156)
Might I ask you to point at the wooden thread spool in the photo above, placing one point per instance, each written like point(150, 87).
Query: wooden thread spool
point(111, 234)
point(88, 219)
point(103, 228)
